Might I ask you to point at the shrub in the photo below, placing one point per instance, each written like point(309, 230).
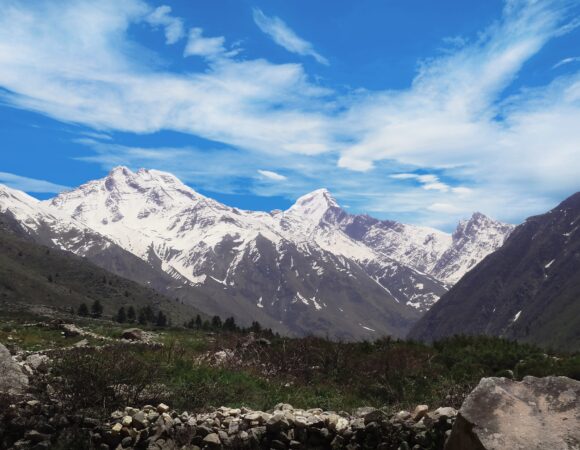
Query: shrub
point(106, 378)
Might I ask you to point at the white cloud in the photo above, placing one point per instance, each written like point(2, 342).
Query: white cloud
point(202, 46)
point(431, 182)
point(161, 16)
point(271, 175)
point(30, 184)
point(404, 176)
point(284, 36)
point(86, 70)
point(75, 61)
point(445, 208)
point(565, 61)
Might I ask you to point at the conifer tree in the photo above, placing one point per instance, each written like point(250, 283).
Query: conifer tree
point(142, 317)
point(216, 322)
point(131, 314)
point(121, 315)
point(83, 310)
point(161, 320)
point(96, 309)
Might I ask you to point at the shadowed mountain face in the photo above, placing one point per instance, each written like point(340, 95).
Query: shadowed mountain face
point(35, 275)
point(310, 269)
point(529, 289)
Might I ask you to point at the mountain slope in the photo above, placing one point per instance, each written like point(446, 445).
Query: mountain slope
point(446, 258)
point(308, 281)
point(310, 269)
point(33, 274)
point(529, 289)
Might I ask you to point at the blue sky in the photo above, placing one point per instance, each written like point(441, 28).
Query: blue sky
point(412, 110)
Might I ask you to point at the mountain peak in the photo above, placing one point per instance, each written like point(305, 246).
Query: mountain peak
point(163, 184)
point(120, 171)
point(321, 196)
point(314, 204)
point(572, 202)
point(476, 216)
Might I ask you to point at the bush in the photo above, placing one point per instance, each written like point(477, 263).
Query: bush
point(102, 379)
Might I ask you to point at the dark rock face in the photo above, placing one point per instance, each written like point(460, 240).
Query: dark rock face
point(527, 290)
point(534, 414)
point(25, 263)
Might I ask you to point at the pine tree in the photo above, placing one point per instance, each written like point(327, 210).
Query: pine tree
point(142, 317)
point(161, 320)
point(256, 327)
point(216, 322)
point(121, 315)
point(131, 314)
point(96, 309)
point(83, 310)
point(149, 314)
point(198, 322)
point(230, 324)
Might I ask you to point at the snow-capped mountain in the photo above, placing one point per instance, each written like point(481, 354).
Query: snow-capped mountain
point(472, 241)
point(445, 257)
point(529, 289)
point(311, 268)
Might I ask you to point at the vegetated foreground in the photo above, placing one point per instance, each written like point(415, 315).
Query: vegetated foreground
point(96, 373)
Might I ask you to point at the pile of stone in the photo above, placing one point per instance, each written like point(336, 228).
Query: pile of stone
point(282, 428)
point(32, 425)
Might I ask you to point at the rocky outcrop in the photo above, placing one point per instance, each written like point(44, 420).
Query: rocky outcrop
point(13, 381)
point(132, 334)
point(534, 414)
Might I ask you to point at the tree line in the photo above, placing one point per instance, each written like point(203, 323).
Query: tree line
point(216, 324)
point(144, 316)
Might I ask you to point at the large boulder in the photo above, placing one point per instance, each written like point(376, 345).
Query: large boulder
point(134, 334)
point(12, 380)
point(534, 414)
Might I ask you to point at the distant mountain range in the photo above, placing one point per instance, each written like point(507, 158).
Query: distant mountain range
point(528, 290)
point(313, 268)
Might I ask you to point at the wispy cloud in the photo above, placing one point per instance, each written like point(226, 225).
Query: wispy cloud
point(271, 175)
point(284, 36)
point(30, 184)
point(204, 46)
point(173, 26)
point(96, 81)
point(431, 182)
point(565, 61)
point(486, 151)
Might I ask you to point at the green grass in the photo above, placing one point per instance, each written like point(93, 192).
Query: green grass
point(34, 338)
point(307, 372)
